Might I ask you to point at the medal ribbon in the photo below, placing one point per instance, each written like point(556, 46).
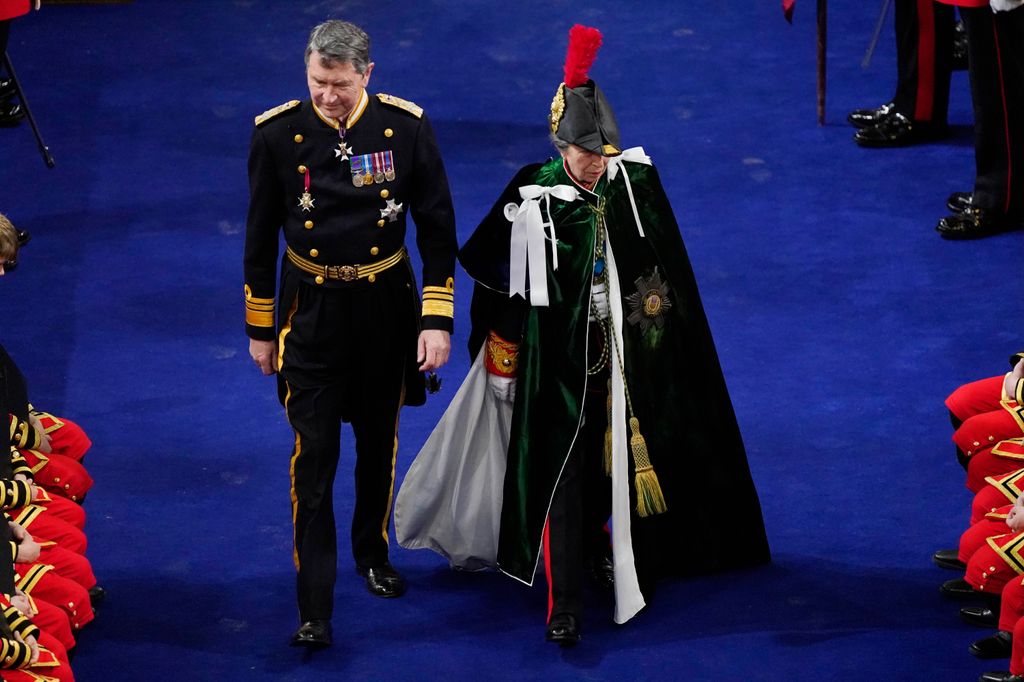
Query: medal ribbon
point(636, 155)
point(527, 241)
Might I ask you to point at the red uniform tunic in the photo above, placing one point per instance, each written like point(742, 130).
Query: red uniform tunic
point(13, 8)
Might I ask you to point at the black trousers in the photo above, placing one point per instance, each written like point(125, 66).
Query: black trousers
point(580, 507)
point(996, 64)
point(924, 53)
point(343, 355)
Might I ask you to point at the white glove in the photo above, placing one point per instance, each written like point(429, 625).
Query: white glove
point(503, 388)
point(599, 302)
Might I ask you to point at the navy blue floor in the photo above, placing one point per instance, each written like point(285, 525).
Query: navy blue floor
point(841, 318)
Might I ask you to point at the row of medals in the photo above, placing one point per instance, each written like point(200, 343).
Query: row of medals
point(376, 173)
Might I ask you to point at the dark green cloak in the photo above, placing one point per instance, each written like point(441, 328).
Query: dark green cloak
point(672, 374)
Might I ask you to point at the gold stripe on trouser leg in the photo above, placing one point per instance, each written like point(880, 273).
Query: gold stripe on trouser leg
point(394, 459)
point(298, 439)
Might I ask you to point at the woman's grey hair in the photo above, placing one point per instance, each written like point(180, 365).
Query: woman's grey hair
point(341, 42)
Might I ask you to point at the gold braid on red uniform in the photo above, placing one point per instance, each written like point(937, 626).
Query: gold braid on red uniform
point(502, 357)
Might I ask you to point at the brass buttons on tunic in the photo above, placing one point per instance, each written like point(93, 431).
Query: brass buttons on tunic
point(384, 194)
point(319, 279)
point(388, 132)
point(380, 223)
point(308, 225)
point(301, 169)
point(371, 278)
point(374, 251)
point(313, 253)
point(298, 138)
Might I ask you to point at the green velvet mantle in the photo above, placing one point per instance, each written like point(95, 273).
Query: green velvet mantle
point(672, 372)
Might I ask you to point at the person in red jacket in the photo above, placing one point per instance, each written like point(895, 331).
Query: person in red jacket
point(10, 113)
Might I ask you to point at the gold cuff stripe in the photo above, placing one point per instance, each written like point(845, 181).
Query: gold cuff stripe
point(269, 305)
point(438, 308)
point(259, 319)
point(259, 301)
point(436, 297)
point(438, 290)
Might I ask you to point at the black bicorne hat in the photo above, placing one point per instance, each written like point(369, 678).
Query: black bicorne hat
point(580, 114)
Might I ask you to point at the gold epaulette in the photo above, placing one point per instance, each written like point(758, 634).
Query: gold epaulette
point(405, 104)
point(271, 113)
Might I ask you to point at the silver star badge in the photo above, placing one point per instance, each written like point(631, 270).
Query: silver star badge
point(343, 151)
point(391, 211)
point(306, 201)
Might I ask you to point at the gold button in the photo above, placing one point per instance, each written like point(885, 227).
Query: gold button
point(374, 251)
point(380, 223)
point(313, 253)
point(319, 279)
point(384, 194)
point(298, 138)
point(56, 479)
point(74, 498)
point(308, 225)
point(371, 278)
point(67, 486)
point(991, 438)
point(976, 443)
point(301, 169)
point(388, 132)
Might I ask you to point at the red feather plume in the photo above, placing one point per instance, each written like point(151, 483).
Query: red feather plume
point(584, 42)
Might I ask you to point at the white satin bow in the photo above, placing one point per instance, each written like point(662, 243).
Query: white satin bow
point(528, 236)
point(636, 155)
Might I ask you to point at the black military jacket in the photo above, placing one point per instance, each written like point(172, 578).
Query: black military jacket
point(341, 223)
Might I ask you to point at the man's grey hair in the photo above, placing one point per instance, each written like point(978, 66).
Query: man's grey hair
point(340, 42)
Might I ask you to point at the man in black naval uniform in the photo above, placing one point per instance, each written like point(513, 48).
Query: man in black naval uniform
point(340, 173)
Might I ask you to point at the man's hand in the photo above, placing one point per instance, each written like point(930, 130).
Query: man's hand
point(264, 354)
point(20, 601)
point(432, 349)
point(28, 549)
point(1010, 382)
point(29, 641)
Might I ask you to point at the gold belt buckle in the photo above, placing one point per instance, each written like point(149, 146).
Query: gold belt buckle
point(346, 273)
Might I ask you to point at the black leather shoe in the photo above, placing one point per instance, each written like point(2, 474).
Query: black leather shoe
point(10, 114)
point(6, 87)
point(602, 571)
point(975, 223)
point(958, 202)
point(96, 595)
point(949, 558)
point(383, 581)
point(982, 616)
point(898, 131)
point(958, 588)
point(996, 646)
point(313, 634)
point(1000, 676)
point(865, 118)
point(564, 630)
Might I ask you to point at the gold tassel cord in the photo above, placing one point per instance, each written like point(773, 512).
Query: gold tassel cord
point(649, 498)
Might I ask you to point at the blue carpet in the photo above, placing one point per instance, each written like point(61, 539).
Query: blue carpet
point(841, 318)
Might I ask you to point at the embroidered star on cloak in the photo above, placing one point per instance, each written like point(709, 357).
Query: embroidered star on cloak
point(648, 302)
